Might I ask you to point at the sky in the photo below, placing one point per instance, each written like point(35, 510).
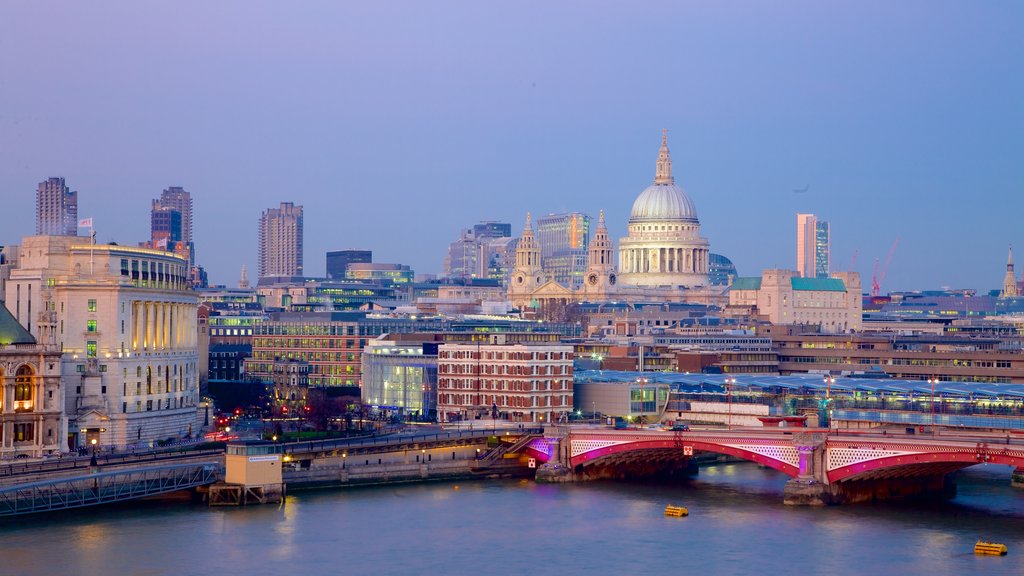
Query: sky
point(396, 124)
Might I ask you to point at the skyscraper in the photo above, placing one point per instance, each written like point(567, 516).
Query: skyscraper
point(171, 223)
point(563, 240)
point(177, 198)
point(812, 246)
point(281, 241)
point(56, 209)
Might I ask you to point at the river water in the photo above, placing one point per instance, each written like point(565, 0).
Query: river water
point(737, 525)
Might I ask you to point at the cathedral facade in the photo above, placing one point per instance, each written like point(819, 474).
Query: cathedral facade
point(663, 258)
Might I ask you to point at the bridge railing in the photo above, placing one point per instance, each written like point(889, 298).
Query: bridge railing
point(323, 445)
point(103, 487)
point(70, 463)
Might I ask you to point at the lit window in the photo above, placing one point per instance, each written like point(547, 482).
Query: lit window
point(90, 325)
point(91, 305)
point(90, 348)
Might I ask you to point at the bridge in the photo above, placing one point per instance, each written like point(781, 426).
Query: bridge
point(103, 488)
point(826, 465)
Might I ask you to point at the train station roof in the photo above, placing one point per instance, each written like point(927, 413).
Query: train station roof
point(804, 383)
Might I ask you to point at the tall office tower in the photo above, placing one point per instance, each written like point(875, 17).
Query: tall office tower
point(281, 241)
point(165, 226)
point(338, 261)
point(177, 198)
point(171, 223)
point(56, 209)
point(812, 246)
point(564, 239)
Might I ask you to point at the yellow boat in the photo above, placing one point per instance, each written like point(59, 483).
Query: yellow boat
point(989, 548)
point(676, 511)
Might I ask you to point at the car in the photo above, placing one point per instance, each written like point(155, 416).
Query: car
point(680, 427)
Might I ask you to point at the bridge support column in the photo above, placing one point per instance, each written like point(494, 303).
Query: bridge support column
point(808, 489)
point(557, 469)
point(1017, 480)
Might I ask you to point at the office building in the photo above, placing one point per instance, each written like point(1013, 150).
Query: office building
point(479, 252)
point(812, 246)
point(125, 319)
point(563, 241)
point(281, 241)
point(338, 261)
point(517, 381)
point(784, 297)
point(56, 208)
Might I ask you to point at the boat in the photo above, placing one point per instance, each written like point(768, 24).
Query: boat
point(987, 548)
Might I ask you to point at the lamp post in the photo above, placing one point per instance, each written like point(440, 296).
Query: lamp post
point(92, 461)
point(828, 398)
point(593, 410)
point(729, 382)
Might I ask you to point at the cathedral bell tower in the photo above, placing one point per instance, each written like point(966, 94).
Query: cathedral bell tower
point(600, 265)
point(527, 275)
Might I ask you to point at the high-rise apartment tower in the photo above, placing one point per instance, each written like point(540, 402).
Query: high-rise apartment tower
point(281, 241)
point(56, 209)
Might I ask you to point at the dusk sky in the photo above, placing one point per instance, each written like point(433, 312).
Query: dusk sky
point(396, 124)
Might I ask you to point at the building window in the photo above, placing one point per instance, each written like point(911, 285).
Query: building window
point(91, 305)
point(23, 432)
point(90, 348)
point(90, 325)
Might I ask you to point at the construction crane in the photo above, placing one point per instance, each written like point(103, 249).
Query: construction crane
point(877, 279)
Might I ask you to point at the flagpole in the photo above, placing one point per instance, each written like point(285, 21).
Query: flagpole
point(92, 248)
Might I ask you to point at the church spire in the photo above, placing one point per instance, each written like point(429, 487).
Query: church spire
point(663, 172)
point(1010, 280)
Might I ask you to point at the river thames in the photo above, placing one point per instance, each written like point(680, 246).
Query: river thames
point(737, 525)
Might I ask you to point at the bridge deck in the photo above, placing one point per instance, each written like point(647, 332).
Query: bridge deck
point(103, 488)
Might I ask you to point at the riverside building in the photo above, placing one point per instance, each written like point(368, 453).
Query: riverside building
point(125, 320)
point(517, 381)
point(32, 419)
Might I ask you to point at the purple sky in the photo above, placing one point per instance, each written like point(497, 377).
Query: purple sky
point(397, 123)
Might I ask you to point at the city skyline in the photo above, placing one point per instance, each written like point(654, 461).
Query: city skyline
point(910, 131)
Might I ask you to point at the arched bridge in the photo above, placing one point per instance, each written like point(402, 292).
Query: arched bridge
point(826, 457)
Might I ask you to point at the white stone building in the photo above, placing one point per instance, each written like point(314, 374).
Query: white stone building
point(125, 320)
point(32, 420)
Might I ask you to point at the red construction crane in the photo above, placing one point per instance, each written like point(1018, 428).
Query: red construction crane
point(877, 279)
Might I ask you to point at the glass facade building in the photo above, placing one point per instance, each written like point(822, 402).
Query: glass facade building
point(564, 240)
point(401, 376)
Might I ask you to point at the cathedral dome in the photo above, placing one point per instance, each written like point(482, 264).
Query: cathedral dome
point(663, 202)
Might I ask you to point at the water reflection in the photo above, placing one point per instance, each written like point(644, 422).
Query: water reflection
point(737, 525)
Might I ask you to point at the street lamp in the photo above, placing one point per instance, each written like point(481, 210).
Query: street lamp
point(92, 461)
point(729, 382)
point(828, 398)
